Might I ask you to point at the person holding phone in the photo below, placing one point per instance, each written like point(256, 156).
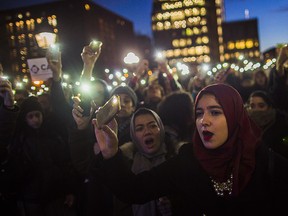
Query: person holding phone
point(225, 170)
point(278, 80)
point(129, 103)
point(8, 116)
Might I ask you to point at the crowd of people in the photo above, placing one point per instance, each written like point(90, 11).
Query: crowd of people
point(214, 147)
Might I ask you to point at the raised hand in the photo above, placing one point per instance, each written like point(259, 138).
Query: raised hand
point(89, 57)
point(81, 120)
point(107, 140)
point(6, 92)
point(282, 60)
point(55, 64)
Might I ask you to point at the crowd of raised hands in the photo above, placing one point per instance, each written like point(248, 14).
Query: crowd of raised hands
point(171, 148)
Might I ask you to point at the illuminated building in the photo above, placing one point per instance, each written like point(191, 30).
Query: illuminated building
point(76, 24)
point(189, 30)
point(241, 39)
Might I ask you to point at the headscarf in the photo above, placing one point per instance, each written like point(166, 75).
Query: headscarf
point(143, 161)
point(237, 154)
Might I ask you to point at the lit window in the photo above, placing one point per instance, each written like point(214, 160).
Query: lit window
point(227, 56)
point(87, 7)
point(175, 43)
point(185, 52)
point(219, 21)
point(159, 16)
point(199, 50)
point(220, 39)
point(206, 58)
point(204, 29)
point(221, 48)
point(249, 44)
point(202, 11)
point(159, 26)
point(231, 45)
point(196, 30)
point(198, 40)
point(240, 44)
point(182, 42)
point(206, 49)
point(205, 39)
point(177, 52)
point(219, 29)
point(203, 22)
point(167, 25)
point(195, 11)
point(189, 32)
point(191, 51)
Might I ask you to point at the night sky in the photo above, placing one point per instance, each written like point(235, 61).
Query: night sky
point(272, 15)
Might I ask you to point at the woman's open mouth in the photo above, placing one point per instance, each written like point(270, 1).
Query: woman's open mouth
point(207, 135)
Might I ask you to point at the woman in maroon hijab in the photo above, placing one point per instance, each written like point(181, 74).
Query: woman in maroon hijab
point(225, 170)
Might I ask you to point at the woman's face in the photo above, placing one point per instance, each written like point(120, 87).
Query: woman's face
point(127, 107)
point(260, 79)
point(257, 104)
point(211, 122)
point(34, 119)
point(154, 93)
point(147, 133)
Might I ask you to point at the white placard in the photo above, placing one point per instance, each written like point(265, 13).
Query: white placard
point(39, 69)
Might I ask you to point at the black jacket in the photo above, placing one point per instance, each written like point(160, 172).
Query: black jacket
point(182, 178)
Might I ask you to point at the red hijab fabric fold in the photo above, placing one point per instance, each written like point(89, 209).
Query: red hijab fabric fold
point(237, 154)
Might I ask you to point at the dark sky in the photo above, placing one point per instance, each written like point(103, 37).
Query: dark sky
point(272, 15)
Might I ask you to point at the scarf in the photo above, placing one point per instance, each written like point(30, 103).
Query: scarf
point(143, 161)
point(237, 154)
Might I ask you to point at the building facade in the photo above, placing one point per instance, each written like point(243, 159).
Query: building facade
point(76, 23)
point(189, 31)
point(241, 38)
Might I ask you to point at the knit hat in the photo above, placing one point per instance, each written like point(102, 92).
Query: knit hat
point(125, 90)
point(30, 104)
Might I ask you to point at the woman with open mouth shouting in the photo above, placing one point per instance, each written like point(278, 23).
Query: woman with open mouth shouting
point(225, 170)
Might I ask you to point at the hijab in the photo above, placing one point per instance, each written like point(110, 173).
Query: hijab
point(143, 161)
point(237, 154)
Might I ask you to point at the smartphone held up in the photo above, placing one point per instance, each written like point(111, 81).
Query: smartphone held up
point(108, 111)
point(54, 51)
point(95, 45)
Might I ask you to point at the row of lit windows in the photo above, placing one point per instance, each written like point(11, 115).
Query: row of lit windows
point(198, 59)
point(181, 24)
point(179, 15)
point(30, 24)
point(192, 51)
point(183, 42)
point(242, 44)
point(21, 39)
point(196, 30)
point(235, 55)
point(180, 4)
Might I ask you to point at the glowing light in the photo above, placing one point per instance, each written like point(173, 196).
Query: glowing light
point(131, 58)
